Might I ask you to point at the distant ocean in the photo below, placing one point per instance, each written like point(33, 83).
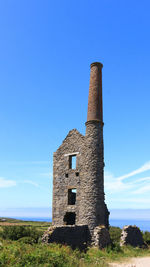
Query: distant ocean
point(35, 219)
point(144, 225)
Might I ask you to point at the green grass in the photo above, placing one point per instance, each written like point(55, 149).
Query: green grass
point(20, 245)
point(20, 254)
point(16, 253)
point(40, 226)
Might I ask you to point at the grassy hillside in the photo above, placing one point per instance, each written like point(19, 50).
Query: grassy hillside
point(40, 226)
point(20, 245)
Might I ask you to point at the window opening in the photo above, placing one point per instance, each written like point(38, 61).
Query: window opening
point(70, 218)
point(66, 175)
point(72, 162)
point(72, 196)
point(77, 173)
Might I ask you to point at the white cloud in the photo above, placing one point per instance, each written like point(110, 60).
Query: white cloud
point(121, 193)
point(30, 182)
point(142, 190)
point(6, 183)
point(117, 183)
point(134, 200)
point(144, 168)
point(113, 184)
point(145, 179)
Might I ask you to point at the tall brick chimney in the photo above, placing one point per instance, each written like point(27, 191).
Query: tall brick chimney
point(95, 108)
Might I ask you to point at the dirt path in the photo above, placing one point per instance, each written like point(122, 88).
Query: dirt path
point(134, 262)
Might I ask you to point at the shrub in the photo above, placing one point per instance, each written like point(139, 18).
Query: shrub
point(114, 248)
point(27, 240)
point(15, 253)
point(115, 234)
point(17, 232)
point(146, 237)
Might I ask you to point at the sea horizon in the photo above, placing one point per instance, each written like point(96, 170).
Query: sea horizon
point(143, 224)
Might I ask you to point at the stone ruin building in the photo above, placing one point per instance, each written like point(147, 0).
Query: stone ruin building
point(79, 210)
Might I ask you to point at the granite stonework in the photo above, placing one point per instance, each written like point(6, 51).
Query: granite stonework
point(131, 235)
point(101, 237)
point(76, 236)
point(78, 191)
point(93, 208)
point(65, 178)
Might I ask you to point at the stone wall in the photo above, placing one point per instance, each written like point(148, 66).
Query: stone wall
point(65, 178)
point(87, 178)
point(77, 236)
point(101, 237)
point(74, 236)
point(131, 235)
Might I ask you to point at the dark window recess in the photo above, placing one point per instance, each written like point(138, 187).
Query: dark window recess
point(72, 196)
point(66, 175)
point(70, 218)
point(77, 173)
point(72, 162)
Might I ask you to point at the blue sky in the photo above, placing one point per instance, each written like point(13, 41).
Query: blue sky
point(46, 48)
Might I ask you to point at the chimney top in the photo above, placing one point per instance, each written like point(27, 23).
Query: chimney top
point(95, 109)
point(100, 65)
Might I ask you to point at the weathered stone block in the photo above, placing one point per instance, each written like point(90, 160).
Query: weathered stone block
point(101, 237)
point(131, 235)
point(74, 236)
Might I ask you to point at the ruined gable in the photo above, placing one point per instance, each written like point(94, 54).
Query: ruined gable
point(66, 178)
point(72, 142)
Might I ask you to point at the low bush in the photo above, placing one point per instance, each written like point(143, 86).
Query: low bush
point(114, 247)
point(16, 253)
point(27, 240)
point(115, 234)
point(146, 237)
point(17, 232)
